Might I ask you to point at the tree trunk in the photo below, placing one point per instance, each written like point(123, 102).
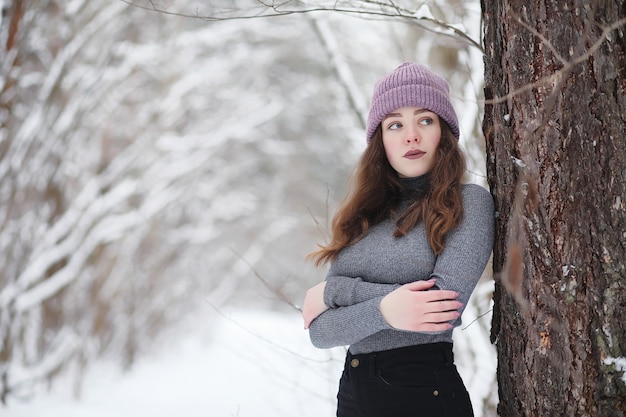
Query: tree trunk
point(555, 123)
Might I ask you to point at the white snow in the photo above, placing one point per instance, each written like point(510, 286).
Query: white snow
point(518, 162)
point(620, 365)
point(251, 364)
point(188, 157)
point(255, 363)
point(566, 269)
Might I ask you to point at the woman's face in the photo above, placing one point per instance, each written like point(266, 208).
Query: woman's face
point(410, 137)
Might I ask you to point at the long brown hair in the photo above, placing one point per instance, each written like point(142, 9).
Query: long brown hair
point(376, 191)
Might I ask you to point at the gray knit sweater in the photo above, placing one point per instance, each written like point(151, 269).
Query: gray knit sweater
point(365, 272)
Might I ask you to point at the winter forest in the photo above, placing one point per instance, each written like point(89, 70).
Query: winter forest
point(165, 168)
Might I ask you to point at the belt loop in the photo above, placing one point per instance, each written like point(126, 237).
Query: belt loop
point(372, 365)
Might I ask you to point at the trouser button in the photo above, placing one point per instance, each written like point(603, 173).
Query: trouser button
point(354, 363)
point(436, 393)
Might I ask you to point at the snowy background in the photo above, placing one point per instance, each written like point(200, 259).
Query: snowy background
point(162, 179)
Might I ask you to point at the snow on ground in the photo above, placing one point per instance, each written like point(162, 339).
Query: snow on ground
point(257, 364)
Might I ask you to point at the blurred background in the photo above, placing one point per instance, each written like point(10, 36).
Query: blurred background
point(166, 166)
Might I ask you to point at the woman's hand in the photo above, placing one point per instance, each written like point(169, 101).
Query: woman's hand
point(412, 308)
point(314, 303)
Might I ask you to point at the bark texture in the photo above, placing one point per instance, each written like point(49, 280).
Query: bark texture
point(555, 126)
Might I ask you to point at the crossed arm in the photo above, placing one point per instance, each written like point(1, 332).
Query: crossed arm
point(407, 307)
point(344, 310)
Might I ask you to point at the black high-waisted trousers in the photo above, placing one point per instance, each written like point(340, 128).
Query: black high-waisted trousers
point(414, 381)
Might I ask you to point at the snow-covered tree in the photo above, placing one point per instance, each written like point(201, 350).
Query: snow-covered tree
point(150, 161)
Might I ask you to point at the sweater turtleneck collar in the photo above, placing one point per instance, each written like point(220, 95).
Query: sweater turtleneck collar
point(415, 187)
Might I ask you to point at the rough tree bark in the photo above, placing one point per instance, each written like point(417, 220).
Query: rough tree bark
point(555, 123)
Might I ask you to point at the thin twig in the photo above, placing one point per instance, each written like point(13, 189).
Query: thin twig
point(277, 12)
point(260, 337)
point(557, 77)
point(478, 318)
point(276, 291)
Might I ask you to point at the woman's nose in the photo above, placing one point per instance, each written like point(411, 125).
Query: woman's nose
point(412, 136)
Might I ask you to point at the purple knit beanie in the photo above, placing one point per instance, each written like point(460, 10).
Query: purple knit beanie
point(412, 85)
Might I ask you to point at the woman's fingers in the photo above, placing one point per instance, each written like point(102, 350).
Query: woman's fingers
point(440, 295)
point(431, 327)
point(433, 295)
point(433, 322)
point(437, 306)
point(442, 317)
point(419, 285)
point(437, 300)
point(411, 307)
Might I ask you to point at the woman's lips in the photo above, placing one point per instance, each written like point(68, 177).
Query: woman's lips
point(414, 154)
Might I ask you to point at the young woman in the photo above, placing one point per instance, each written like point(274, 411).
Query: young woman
point(409, 244)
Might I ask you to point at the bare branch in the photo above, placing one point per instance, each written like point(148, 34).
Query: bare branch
point(276, 291)
point(260, 337)
point(558, 76)
point(388, 10)
point(323, 229)
point(543, 40)
point(342, 69)
point(477, 318)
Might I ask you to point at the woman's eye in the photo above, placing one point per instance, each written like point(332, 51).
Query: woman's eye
point(394, 126)
point(426, 122)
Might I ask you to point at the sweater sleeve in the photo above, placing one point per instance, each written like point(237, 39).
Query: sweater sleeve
point(341, 291)
point(345, 326)
point(467, 248)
